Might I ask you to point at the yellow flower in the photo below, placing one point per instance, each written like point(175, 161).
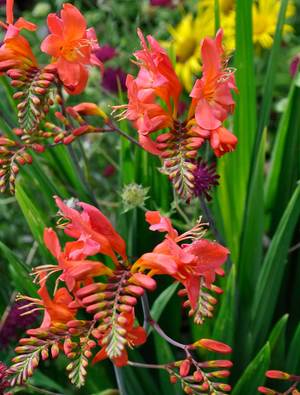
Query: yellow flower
point(225, 5)
point(187, 36)
point(265, 14)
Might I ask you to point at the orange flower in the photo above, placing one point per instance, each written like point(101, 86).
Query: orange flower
point(154, 100)
point(75, 268)
point(93, 231)
point(56, 310)
point(72, 46)
point(135, 336)
point(212, 98)
point(16, 50)
point(187, 263)
point(156, 80)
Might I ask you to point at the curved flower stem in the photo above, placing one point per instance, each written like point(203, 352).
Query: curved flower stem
point(120, 380)
point(146, 365)
point(148, 320)
point(116, 129)
point(212, 225)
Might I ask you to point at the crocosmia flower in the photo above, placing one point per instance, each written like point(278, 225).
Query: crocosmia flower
point(187, 263)
point(72, 47)
point(153, 105)
point(15, 50)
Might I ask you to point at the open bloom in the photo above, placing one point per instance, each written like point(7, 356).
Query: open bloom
point(72, 47)
point(93, 231)
point(135, 336)
point(15, 50)
point(187, 263)
point(72, 262)
point(56, 309)
point(153, 105)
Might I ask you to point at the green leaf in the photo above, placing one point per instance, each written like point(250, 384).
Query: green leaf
point(224, 323)
point(281, 179)
point(254, 374)
point(161, 302)
point(293, 356)
point(35, 218)
point(270, 79)
point(19, 272)
point(277, 342)
point(234, 167)
point(270, 278)
point(253, 228)
point(249, 264)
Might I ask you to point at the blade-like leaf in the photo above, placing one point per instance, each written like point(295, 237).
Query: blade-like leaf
point(293, 356)
point(269, 281)
point(254, 374)
point(19, 272)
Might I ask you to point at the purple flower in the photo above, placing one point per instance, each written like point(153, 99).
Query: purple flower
point(161, 3)
point(16, 323)
point(105, 53)
point(294, 66)
point(205, 178)
point(113, 78)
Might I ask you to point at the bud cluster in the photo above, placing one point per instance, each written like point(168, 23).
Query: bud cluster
point(34, 95)
point(292, 380)
point(179, 148)
point(202, 377)
point(205, 303)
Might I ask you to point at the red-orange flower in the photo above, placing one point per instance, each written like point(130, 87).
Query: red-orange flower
point(72, 262)
point(135, 336)
point(93, 231)
point(72, 46)
point(56, 310)
point(154, 99)
point(187, 263)
point(156, 80)
point(16, 50)
point(212, 97)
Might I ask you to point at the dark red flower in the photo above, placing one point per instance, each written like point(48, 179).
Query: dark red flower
point(205, 178)
point(113, 78)
point(161, 3)
point(294, 66)
point(105, 53)
point(16, 322)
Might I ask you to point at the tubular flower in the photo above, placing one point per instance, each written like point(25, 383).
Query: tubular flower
point(72, 47)
point(135, 336)
point(187, 263)
point(154, 105)
point(56, 310)
point(72, 262)
point(93, 231)
point(16, 50)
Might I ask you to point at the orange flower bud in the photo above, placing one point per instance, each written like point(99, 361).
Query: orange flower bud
point(213, 345)
point(173, 379)
point(185, 368)
point(143, 280)
point(267, 391)
point(90, 109)
point(278, 374)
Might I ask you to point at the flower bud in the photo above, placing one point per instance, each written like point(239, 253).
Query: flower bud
point(185, 368)
point(213, 345)
point(278, 374)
